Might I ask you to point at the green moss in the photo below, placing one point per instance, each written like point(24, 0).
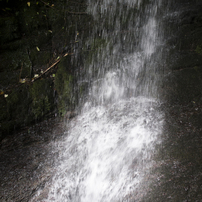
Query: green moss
point(196, 68)
point(40, 106)
point(62, 107)
point(199, 50)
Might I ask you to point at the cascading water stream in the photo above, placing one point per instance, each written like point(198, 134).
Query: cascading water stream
point(108, 147)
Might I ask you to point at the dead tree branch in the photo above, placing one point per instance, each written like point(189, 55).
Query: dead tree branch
point(56, 62)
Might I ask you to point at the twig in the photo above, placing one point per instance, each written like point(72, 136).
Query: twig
point(51, 66)
point(46, 4)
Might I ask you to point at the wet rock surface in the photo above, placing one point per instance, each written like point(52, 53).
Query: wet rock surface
point(26, 162)
point(177, 174)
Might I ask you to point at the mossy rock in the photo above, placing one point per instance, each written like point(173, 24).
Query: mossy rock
point(42, 98)
point(23, 30)
point(199, 49)
point(64, 85)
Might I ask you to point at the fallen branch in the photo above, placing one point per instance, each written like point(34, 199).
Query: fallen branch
point(51, 66)
point(46, 4)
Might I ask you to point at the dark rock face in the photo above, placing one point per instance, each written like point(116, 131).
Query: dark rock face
point(185, 58)
point(177, 174)
point(34, 36)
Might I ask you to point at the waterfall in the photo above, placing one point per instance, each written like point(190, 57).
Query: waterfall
point(108, 147)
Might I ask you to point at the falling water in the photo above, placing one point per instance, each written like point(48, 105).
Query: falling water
point(108, 147)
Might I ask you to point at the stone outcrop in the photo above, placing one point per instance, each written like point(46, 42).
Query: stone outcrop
point(34, 35)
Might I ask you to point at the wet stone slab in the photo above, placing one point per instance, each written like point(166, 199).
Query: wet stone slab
point(26, 162)
point(177, 172)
